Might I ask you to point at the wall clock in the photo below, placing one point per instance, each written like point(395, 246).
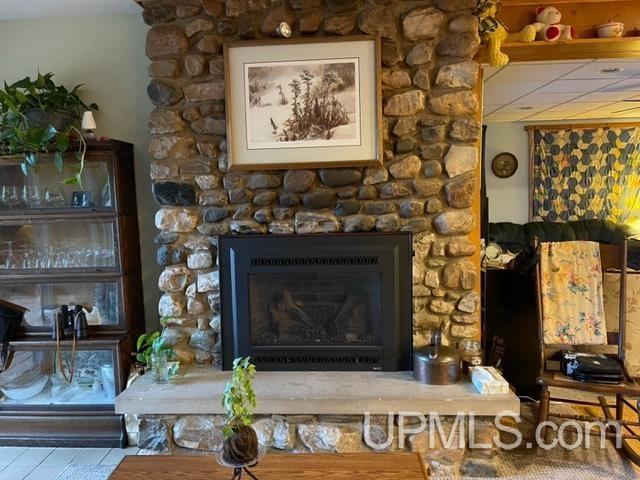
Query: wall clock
point(504, 165)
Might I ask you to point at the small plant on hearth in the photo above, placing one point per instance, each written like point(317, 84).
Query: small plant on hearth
point(153, 353)
point(239, 401)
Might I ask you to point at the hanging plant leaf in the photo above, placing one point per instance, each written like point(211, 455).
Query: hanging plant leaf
point(31, 159)
point(49, 133)
point(62, 142)
point(35, 135)
point(24, 168)
point(58, 162)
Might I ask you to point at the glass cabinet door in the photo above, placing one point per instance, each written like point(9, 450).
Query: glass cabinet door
point(42, 188)
point(46, 377)
point(57, 245)
point(101, 301)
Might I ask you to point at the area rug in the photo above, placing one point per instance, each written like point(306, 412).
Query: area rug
point(522, 463)
point(86, 472)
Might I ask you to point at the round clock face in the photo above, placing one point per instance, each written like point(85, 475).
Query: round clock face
point(504, 165)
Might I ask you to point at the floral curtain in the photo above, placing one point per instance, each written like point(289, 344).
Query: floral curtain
point(586, 173)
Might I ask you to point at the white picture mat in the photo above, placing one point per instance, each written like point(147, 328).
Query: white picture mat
point(251, 119)
point(364, 50)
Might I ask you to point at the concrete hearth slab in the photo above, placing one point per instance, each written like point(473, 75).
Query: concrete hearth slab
point(346, 393)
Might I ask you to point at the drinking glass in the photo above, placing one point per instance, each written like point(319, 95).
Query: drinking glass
point(53, 197)
point(31, 196)
point(89, 258)
point(45, 256)
point(29, 258)
point(105, 257)
point(60, 259)
point(8, 256)
point(160, 367)
point(9, 196)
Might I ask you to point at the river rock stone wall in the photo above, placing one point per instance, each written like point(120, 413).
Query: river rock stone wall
point(450, 448)
point(426, 185)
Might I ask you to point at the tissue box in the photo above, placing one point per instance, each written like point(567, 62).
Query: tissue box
point(488, 381)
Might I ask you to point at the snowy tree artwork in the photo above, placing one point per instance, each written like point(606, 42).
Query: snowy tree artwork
point(302, 103)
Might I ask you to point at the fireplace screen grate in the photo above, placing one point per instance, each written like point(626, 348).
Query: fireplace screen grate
point(313, 261)
point(371, 360)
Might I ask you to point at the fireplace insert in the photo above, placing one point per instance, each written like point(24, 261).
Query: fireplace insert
point(317, 302)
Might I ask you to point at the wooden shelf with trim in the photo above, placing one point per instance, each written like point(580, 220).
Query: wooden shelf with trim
point(581, 48)
point(520, 3)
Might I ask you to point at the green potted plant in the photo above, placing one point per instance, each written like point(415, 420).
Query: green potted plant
point(153, 353)
point(239, 400)
point(38, 116)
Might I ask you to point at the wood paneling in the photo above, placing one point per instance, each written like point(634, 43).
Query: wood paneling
point(474, 236)
point(585, 16)
point(519, 3)
point(589, 48)
point(363, 466)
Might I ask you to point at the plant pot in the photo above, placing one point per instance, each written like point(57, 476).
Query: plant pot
point(41, 118)
point(241, 448)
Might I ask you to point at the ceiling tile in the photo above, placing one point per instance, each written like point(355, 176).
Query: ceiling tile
point(543, 117)
point(594, 71)
point(576, 86)
point(503, 117)
point(499, 93)
point(516, 108)
point(487, 109)
point(631, 85)
point(553, 63)
point(489, 71)
point(546, 98)
point(621, 108)
point(618, 60)
point(599, 96)
point(578, 107)
point(533, 73)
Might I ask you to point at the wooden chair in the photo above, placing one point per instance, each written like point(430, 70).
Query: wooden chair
point(613, 257)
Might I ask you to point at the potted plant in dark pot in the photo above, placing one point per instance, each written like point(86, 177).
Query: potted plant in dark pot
point(239, 400)
point(38, 116)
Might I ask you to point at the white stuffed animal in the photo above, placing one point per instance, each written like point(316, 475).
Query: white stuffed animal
point(548, 26)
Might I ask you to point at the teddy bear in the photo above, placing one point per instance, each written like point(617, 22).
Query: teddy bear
point(548, 26)
point(494, 33)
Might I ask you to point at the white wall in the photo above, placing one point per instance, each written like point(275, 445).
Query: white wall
point(107, 54)
point(508, 197)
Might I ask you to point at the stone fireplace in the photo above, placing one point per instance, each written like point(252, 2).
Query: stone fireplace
point(317, 302)
point(427, 184)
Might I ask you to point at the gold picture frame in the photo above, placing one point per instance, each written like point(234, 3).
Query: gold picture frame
point(303, 103)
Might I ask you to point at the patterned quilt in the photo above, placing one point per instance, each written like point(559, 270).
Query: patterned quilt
point(572, 293)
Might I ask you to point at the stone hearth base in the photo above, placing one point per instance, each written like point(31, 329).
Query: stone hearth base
point(315, 412)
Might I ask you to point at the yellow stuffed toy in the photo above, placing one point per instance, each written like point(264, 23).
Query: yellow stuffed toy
point(494, 33)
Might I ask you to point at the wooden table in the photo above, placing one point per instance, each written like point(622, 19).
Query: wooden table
point(325, 466)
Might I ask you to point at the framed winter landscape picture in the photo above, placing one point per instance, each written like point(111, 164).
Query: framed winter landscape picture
point(303, 103)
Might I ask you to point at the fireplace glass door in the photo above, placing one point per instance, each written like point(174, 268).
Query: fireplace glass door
point(316, 309)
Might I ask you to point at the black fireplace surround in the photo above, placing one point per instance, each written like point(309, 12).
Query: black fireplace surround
point(317, 302)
